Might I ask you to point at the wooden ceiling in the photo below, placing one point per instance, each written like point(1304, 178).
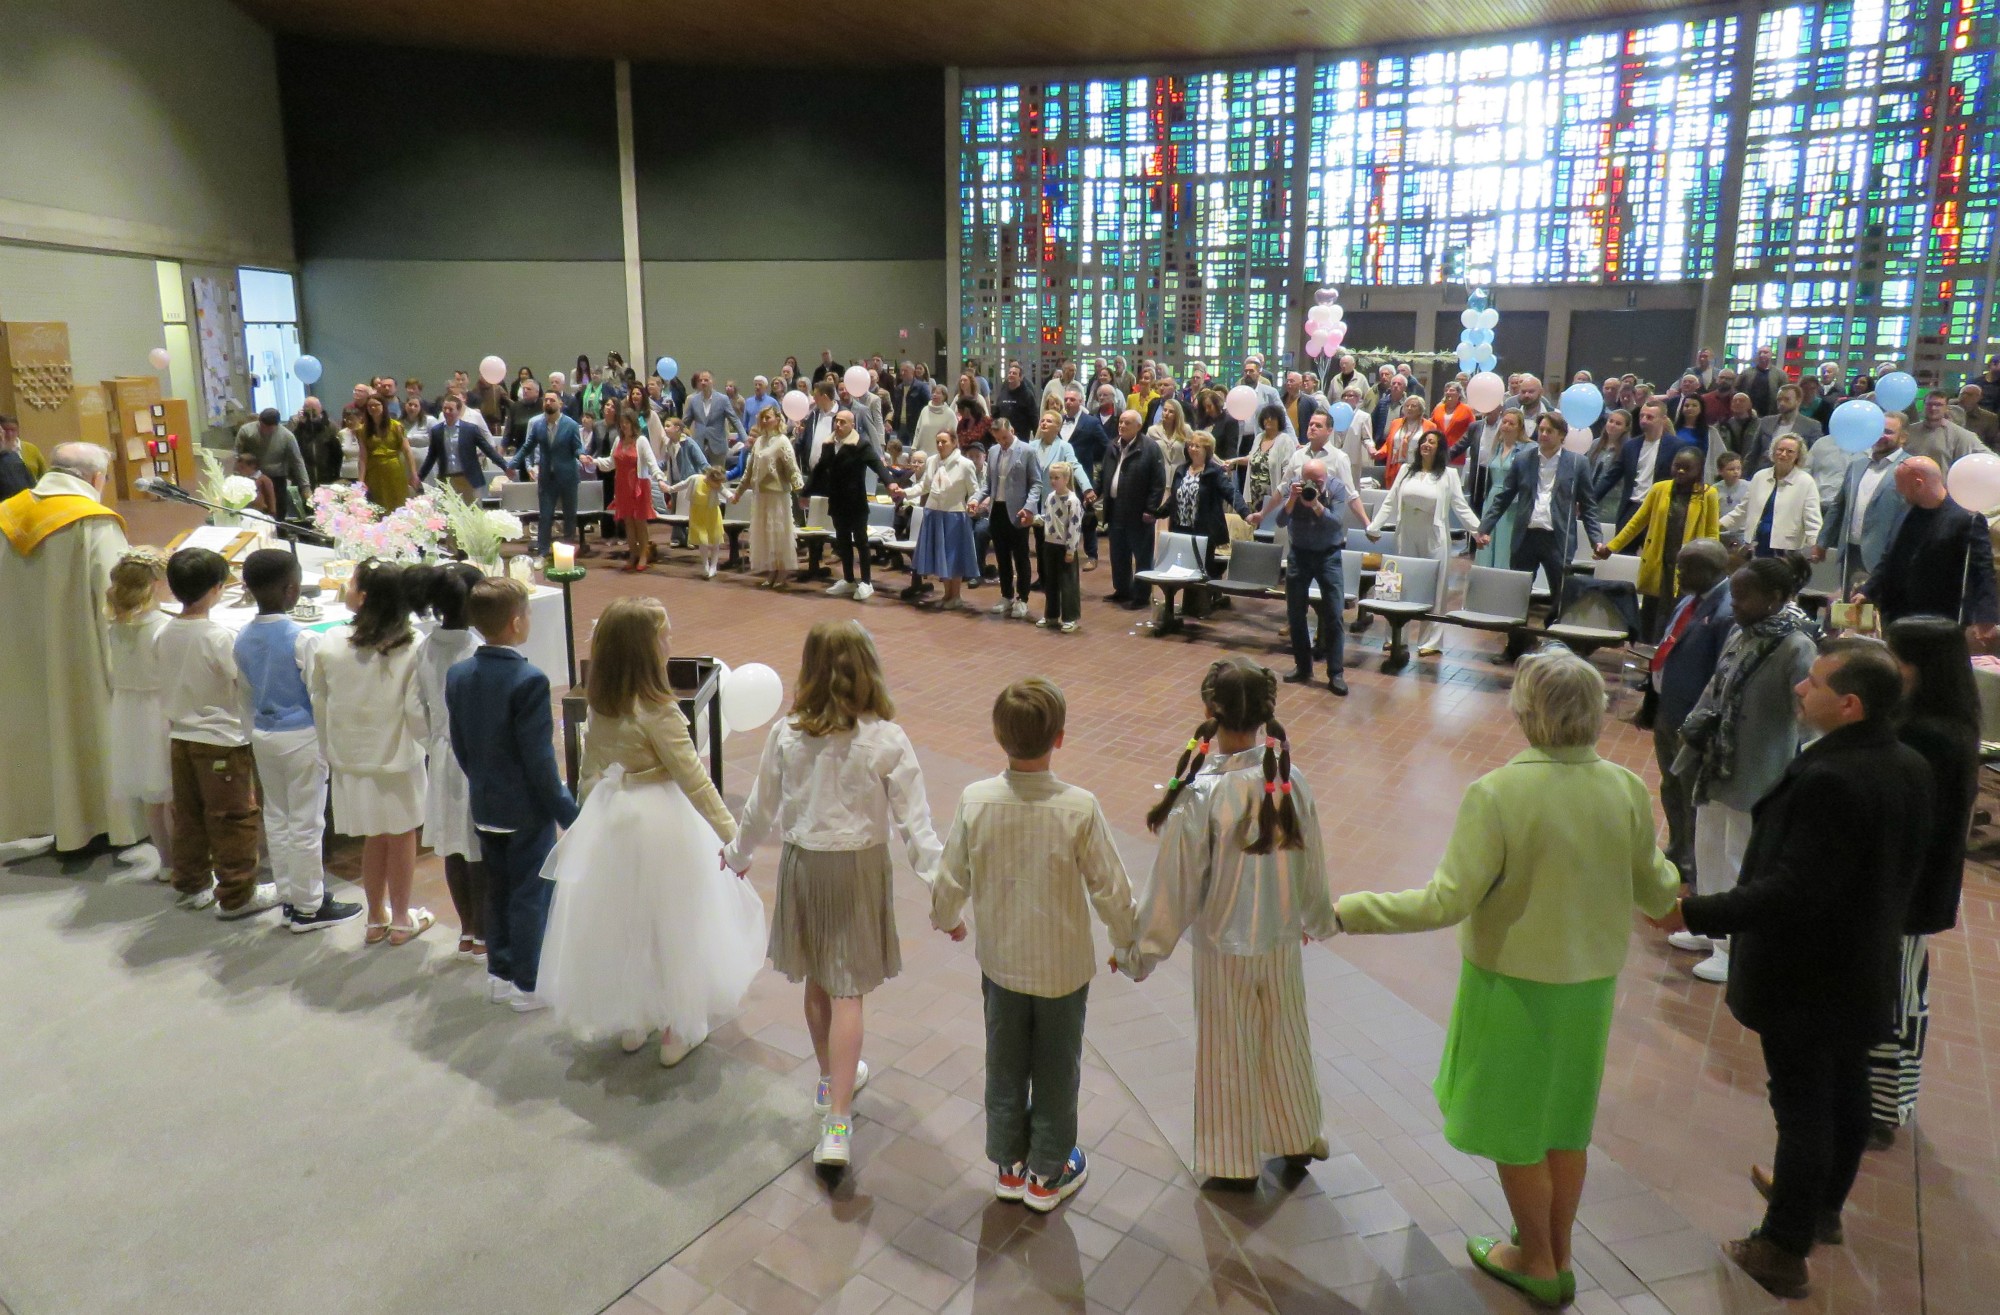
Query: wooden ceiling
point(968, 33)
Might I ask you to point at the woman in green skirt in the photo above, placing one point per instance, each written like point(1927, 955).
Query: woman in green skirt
point(1547, 859)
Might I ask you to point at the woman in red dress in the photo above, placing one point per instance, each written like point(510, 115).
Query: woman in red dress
point(633, 466)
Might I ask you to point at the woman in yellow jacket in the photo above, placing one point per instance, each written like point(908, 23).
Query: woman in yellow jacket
point(1677, 510)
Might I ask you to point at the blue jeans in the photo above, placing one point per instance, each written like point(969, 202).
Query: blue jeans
point(517, 901)
point(549, 492)
point(1303, 566)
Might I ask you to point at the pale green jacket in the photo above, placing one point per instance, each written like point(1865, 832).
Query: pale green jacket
point(1547, 858)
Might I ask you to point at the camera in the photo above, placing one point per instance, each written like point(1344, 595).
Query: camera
point(1308, 492)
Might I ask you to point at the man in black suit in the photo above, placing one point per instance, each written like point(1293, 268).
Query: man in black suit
point(1815, 925)
point(1134, 483)
point(1646, 458)
point(456, 444)
point(1553, 488)
point(1940, 560)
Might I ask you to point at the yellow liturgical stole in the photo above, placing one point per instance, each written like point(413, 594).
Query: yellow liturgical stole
point(26, 520)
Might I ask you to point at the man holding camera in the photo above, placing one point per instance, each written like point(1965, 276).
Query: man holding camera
point(1311, 511)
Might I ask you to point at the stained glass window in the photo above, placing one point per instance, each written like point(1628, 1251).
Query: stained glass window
point(1589, 158)
point(1838, 229)
point(1127, 217)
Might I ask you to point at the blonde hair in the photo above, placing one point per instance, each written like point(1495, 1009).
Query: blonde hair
point(628, 662)
point(1558, 699)
point(1028, 717)
point(840, 681)
point(1202, 439)
point(133, 576)
point(771, 419)
point(1064, 469)
point(1180, 424)
point(494, 603)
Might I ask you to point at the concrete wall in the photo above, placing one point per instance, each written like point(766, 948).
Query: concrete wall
point(145, 128)
point(429, 317)
point(741, 318)
point(111, 304)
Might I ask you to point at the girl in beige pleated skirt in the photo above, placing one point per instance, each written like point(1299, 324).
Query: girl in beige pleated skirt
point(837, 776)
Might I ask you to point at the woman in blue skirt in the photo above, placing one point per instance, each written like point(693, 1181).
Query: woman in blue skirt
point(944, 541)
point(1547, 859)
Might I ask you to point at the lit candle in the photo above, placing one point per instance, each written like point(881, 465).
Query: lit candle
point(563, 556)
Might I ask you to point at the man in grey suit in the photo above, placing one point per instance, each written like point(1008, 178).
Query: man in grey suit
point(710, 417)
point(1013, 474)
point(1787, 420)
point(1869, 508)
point(1553, 487)
point(558, 441)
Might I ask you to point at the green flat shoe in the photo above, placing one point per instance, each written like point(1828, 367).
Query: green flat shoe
point(1568, 1276)
point(1544, 1292)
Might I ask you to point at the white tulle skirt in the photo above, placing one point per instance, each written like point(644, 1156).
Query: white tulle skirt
point(647, 930)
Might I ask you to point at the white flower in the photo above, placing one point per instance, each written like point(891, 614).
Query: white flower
point(505, 524)
point(238, 492)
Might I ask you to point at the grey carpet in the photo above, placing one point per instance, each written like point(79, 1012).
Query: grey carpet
point(210, 1117)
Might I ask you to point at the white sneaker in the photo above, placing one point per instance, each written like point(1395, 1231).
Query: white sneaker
point(708, 570)
point(1687, 940)
point(833, 1148)
point(1046, 623)
point(262, 899)
point(165, 876)
point(1715, 968)
point(823, 1098)
point(1020, 610)
point(839, 589)
point(527, 1002)
point(141, 861)
point(1001, 608)
point(629, 1042)
point(1070, 627)
point(499, 990)
point(863, 592)
point(196, 900)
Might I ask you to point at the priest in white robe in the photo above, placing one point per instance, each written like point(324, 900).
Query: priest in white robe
point(55, 696)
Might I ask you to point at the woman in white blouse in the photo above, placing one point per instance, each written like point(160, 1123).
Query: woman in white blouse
point(1358, 439)
point(1421, 504)
point(945, 544)
point(1171, 431)
point(1782, 513)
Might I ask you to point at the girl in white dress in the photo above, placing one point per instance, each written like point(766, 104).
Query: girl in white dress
point(139, 767)
point(448, 829)
point(1421, 503)
point(837, 776)
point(646, 933)
point(371, 726)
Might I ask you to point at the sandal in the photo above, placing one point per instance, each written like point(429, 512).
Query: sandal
point(377, 933)
point(421, 921)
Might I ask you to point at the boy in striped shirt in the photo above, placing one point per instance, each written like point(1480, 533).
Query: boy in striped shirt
point(1027, 850)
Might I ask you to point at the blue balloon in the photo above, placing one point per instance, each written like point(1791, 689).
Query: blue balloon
point(666, 367)
point(1479, 337)
point(1581, 405)
point(1856, 424)
point(306, 369)
point(1894, 391)
point(1477, 301)
point(1340, 415)
point(1487, 360)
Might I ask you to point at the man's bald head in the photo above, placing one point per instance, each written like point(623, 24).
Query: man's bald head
point(1314, 472)
point(1920, 482)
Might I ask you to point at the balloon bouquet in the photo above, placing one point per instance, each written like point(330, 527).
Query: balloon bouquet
point(1475, 336)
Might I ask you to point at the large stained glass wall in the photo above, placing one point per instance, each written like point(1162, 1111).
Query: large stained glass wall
point(1126, 217)
point(1869, 192)
point(1100, 217)
point(1595, 157)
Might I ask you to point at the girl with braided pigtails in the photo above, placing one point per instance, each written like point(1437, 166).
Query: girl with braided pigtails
point(1240, 864)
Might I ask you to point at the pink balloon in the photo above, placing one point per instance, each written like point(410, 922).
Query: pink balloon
point(1974, 482)
point(1485, 390)
point(1241, 403)
point(493, 369)
point(1579, 438)
point(795, 405)
point(856, 380)
point(1314, 347)
point(1336, 335)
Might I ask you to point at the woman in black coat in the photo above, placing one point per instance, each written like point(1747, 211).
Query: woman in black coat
point(1200, 495)
point(1941, 722)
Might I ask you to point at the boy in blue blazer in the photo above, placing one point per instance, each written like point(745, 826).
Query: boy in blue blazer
point(503, 736)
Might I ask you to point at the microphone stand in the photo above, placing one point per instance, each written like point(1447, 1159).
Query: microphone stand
point(291, 533)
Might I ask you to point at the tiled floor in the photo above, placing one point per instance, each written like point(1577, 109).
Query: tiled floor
point(1380, 1226)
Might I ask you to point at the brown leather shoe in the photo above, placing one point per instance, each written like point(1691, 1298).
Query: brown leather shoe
point(1826, 1229)
point(1776, 1270)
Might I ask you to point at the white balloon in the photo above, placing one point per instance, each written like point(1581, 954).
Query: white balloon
point(856, 380)
point(1336, 313)
point(752, 696)
point(795, 405)
point(159, 357)
point(1469, 318)
point(1488, 318)
point(1320, 315)
point(493, 369)
point(1974, 482)
point(1578, 439)
point(1485, 391)
point(1241, 403)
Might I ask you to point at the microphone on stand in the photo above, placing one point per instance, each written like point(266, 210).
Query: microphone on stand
point(284, 529)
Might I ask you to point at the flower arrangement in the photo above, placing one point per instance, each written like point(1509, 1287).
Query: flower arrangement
point(477, 531)
point(360, 531)
point(238, 492)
